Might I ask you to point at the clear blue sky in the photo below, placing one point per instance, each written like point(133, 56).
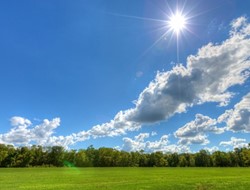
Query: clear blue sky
point(108, 73)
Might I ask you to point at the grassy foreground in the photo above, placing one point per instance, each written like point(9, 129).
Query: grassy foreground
point(124, 178)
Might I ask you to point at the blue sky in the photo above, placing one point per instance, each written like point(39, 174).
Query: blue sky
point(111, 73)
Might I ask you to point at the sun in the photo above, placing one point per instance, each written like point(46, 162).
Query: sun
point(177, 22)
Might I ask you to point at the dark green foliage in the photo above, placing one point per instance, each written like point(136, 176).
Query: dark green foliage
point(108, 157)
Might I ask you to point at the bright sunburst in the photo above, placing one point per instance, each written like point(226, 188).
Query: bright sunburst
point(177, 22)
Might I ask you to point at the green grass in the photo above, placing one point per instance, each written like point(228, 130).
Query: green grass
point(124, 178)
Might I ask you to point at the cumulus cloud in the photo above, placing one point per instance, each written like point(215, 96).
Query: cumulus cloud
point(43, 131)
point(199, 139)
point(207, 77)
point(139, 143)
point(235, 143)
point(20, 121)
point(195, 131)
point(23, 133)
point(20, 133)
point(118, 126)
point(212, 149)
point(238, 118)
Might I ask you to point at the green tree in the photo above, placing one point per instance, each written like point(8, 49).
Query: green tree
point(202, 159)
point(92, 155)
point(81, 159)
point(173, 160)
point(183, 161)
point(221, 159)
point(24, 157)
point(3, 154)
point(245, 154)
point(56, 155)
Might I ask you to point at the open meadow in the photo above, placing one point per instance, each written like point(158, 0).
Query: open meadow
point(124, 178)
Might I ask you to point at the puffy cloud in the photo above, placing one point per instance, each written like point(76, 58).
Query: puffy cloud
point(195, 131)
point(141, 137)
point(43, 131)
point(81, 136)
point(20, 134)
point(139, 143)
point(161, 145)
point(19, 121)
point(240, 26)
point(238, 119)
point(64, 141)
point(132, 145)
point(23, 133)
point(235, 143)
point(118, 126)
point(207, 77)
point(212, 149)
point(199, 139)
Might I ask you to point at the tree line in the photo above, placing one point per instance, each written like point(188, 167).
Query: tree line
point(57, 156)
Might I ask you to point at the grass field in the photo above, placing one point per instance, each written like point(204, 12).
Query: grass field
point(124, 178)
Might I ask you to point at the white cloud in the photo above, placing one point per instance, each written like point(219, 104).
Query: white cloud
point(212, 149)
point(199, 139)
point(153, 133)
point(132, 145)
point(23, 133)
point(240, 26)
point(139, 143)
point(195, 131)
point(64, 141)
point(238, 119)
point(141, 137)
point(20, 121)
point(118, 126)
point(20, 134)
point(43, 131)
point(235, 143)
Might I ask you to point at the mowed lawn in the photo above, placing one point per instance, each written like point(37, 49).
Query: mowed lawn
point(124, 178)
